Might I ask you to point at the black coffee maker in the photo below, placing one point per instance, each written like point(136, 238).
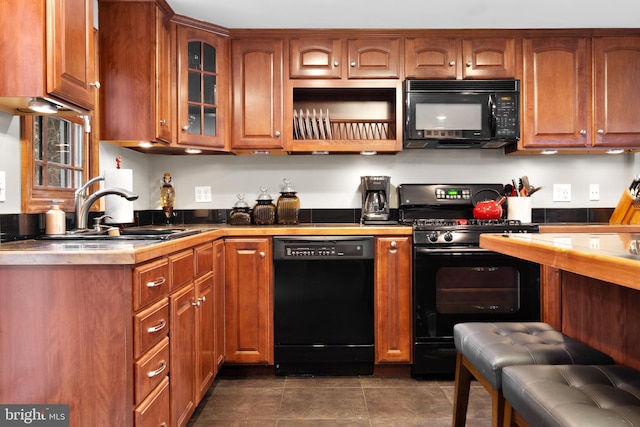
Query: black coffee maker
point(375, 199)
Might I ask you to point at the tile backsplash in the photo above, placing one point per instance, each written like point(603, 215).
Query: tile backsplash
point(29, 226)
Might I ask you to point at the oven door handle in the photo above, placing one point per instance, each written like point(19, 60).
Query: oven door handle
point(449, 251)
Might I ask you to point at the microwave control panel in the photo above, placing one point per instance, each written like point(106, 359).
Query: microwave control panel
point(506, 116)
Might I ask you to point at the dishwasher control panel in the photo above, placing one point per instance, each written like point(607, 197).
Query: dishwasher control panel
point(322, 247)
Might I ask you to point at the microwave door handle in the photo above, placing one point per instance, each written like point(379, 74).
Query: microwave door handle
point(492, 115)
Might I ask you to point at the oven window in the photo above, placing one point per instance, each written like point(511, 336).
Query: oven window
point(467, 290)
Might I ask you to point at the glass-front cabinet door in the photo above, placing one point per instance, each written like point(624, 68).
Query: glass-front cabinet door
point(202, 88)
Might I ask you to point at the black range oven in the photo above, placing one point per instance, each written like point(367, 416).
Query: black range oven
point(454, 280)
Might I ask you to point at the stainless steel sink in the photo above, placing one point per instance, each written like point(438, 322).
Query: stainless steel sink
point(133, 233)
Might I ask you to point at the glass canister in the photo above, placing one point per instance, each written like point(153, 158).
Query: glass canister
point(241, 212)
point(264, 212)
point(288, 205)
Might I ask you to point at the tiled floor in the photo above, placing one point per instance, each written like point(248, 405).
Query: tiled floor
point(336, 402)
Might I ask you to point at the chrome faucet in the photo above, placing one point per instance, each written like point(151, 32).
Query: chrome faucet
point(83, 203)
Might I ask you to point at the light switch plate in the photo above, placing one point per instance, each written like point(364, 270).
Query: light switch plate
point(3, 186)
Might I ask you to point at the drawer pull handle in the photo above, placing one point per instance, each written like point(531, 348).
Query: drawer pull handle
point(158, 282)
point(163, 366)
point(158, 327)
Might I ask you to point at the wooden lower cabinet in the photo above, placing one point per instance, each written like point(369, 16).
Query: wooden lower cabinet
point(393, 299)
point(154, 410)
point(182, 372)
point(218, 301)
point(248, 301)
point(205, 324)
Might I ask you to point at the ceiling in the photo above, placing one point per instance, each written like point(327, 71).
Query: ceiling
point(412, 13)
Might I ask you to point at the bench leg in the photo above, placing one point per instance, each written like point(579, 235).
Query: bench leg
point(461, 392)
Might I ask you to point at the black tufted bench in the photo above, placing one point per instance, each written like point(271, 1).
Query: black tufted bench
point(572, 396)
point(484, 349)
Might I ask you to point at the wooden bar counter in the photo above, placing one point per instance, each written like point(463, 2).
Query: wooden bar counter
point(590, 285)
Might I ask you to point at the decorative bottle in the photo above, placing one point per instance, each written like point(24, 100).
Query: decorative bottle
point(264, 212)
point(241, 212)
point(167, 197)
point(55, 220)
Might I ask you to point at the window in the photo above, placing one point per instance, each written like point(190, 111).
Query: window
point(55, 157)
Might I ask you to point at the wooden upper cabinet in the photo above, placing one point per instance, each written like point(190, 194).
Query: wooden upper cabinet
point(257, 86)
point(315, 58)
point(453, 58)
point(70, 57)
point(203, 82)
point(326, 58)
point(616, 91)
point(48, 51)
point(375, 58)
point(135, 66)
point(556, 95)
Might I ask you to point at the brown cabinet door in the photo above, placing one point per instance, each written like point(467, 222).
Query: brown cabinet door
point(257, 94)
point(485, 58)
point(218, 301)
point(134, 41)
point(202, 64)
point(616, 91)
point(429, 57)
point(205, 323)
point(376, 58)
point(248, 301)
point(556, 93)
point(393, 299)
point(182, 372)
point(70, 58)
point(315, 58)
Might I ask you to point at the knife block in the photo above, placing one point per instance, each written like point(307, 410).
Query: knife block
point(625, 212)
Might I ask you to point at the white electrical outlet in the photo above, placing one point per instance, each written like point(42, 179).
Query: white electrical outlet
point(561, 192)
point(203, 194)
point(3, 186)
point(594, 192)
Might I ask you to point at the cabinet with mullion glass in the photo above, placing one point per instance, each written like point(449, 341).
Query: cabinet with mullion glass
point(202, 88)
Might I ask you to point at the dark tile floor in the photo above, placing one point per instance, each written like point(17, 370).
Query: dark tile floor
point(336, 402)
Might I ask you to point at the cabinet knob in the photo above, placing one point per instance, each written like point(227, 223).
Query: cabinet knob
point(583, 132)
point(262, 254)
point(469, 64)
point(353, 63)
point(202, 299)
point(276, 133)
point(452, 63)
point(95, 84)
point(336, 63)
point(394, 244)
point(185, 128)
point(163, 122)
point(600, 132)
point(196, 303)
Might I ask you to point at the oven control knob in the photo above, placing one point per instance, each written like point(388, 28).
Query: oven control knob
point(448, 236)
point(433, 236)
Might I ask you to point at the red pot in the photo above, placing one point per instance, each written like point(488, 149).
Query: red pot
point(489, 209)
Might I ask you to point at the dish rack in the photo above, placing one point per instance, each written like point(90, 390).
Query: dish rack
point(317, 124)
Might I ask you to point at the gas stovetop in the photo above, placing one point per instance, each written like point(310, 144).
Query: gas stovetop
point(442, 214)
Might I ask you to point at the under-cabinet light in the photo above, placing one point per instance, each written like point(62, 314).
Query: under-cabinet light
point(320, 153)
point(192, 151)
point(615, 151)
point(40, 105)
point(549, 152)
point(368, 153)
point(145, 144)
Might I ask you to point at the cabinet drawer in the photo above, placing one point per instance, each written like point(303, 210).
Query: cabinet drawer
point(204, 259)
point(151, 282)
point(151, 369)
point(182, 268)
point(154, 410)
point(150, 326)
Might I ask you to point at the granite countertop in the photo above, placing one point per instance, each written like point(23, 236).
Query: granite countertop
point(611, 257)
point(87, 252)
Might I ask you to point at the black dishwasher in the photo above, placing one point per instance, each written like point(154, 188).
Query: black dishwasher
point(323, 307)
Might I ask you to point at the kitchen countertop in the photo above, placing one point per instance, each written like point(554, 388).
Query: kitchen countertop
point(87, 252)
point(610, 257)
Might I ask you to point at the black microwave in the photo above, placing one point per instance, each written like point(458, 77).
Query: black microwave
point(461, 113)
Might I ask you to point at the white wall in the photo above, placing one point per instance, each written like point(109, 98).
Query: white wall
point(333, 181)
